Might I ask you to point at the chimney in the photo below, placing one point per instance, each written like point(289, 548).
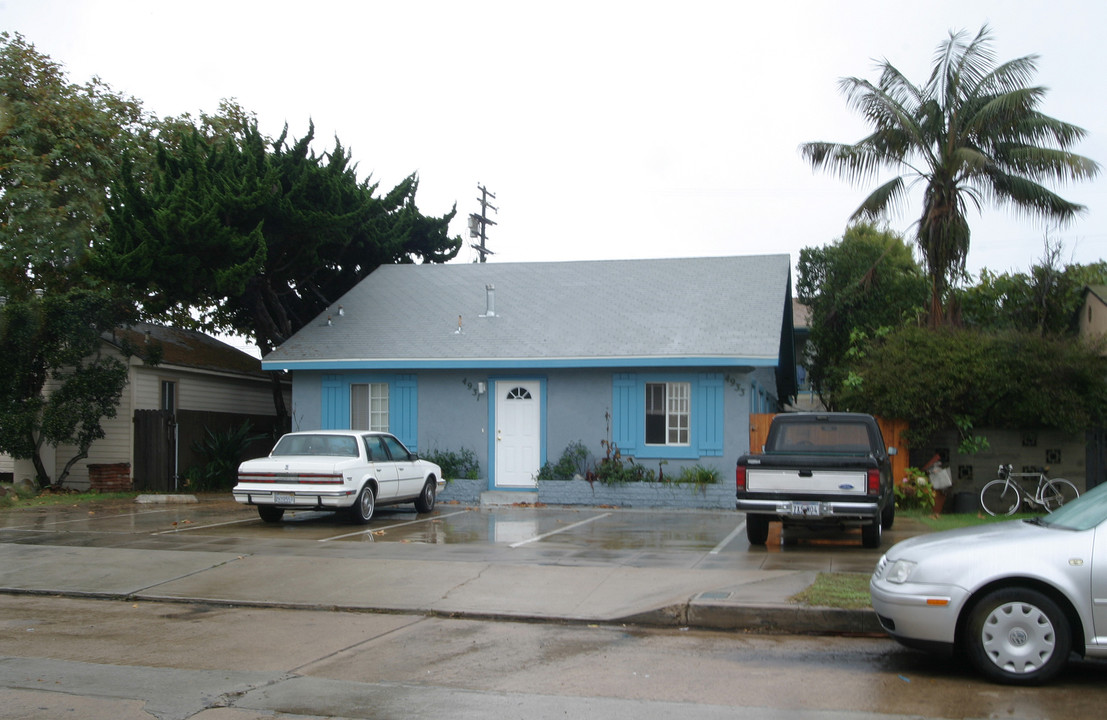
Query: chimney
point(491, 290)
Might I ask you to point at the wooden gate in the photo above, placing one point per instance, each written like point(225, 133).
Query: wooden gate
point(155, 451)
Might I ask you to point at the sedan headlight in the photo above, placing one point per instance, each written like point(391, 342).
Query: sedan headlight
point(900, 571)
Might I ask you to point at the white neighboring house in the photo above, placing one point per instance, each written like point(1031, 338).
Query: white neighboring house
point(200, 382)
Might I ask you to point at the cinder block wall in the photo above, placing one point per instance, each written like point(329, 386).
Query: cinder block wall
point(1062, 453)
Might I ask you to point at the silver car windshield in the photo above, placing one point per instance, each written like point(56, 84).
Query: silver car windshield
point(332, 445)
point(1083, 513)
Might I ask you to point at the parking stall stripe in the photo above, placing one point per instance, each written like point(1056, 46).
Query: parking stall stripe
point(718, 548)
point(202, 527)
point(543, 536)
point(391, 527)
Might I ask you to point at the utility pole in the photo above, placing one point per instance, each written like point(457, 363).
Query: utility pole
point(478, 224)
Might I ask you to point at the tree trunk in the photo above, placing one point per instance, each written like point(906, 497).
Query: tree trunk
point(283, 423)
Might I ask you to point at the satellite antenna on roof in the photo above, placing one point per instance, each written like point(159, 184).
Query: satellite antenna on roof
point(478, 224)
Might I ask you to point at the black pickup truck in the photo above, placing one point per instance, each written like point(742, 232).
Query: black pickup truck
point(819, 468)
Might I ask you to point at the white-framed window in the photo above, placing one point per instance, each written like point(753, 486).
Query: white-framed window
point(169, 395)
point(369, 406)
point(668, 413)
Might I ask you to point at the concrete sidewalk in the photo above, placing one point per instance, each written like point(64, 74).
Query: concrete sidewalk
point(422, 582)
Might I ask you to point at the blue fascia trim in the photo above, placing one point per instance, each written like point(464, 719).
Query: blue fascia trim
point(521, 363)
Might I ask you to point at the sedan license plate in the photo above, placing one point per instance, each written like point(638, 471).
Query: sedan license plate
point(806, 509)
point(284, 498)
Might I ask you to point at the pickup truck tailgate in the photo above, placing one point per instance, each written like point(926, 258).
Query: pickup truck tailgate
point(806, 482)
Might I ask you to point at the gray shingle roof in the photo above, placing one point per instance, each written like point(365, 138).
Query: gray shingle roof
point(642, 312)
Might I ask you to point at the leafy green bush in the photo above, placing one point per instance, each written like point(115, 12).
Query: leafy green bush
point(461, 464)
point(914, 492)
point(573, 462)
point(697, 476)
point(223, 450)
point(614, 470)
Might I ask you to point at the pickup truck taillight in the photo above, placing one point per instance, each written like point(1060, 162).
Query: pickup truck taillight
point(740, 477)
point(873, 477)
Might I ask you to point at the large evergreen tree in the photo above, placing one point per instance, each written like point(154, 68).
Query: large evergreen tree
point(971, 134)
point(259, 236)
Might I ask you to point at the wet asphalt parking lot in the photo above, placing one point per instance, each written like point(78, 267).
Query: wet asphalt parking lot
point(574, 535)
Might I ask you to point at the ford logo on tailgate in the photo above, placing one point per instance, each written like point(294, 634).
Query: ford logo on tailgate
point(845, 486)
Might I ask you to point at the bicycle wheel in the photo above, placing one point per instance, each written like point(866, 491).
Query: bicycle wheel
point(999, 497)
point(1057, 492)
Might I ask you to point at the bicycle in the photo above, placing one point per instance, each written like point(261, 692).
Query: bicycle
point(1004, 495)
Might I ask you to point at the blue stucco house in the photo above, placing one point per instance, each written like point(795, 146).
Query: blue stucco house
point(664, 358)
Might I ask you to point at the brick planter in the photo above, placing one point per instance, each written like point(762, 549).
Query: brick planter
point(110, 477)
point(719, 496)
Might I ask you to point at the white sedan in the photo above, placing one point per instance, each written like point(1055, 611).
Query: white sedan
point(1016, 597)
point(348, 470)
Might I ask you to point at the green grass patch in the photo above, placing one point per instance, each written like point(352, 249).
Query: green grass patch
point(849, 591)
point(951, 521)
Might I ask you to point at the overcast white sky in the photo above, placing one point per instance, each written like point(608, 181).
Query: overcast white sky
point(605, 129)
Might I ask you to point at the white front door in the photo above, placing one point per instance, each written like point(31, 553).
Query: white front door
point(518, 433)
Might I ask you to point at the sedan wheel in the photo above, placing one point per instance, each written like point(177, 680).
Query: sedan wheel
point(425, 502)
point(1018, 636)
point(361, 511)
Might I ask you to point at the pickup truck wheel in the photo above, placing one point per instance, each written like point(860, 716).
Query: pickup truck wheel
point(361, 511)
point(757, 529)
point(270, 513)
point(888, 516)
point(425, 502)
point(871, 533)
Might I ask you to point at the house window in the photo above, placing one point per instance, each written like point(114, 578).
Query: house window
point(169, 396)
point(369, 406)
point(668, 413)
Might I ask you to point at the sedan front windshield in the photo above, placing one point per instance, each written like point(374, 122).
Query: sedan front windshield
point(1083, 513)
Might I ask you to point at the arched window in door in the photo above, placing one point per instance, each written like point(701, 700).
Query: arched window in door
point(519, 393)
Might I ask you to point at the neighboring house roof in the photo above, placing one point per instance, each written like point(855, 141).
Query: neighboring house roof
point(1100, 291)
point(718, 311)
point(190, 349)
point(801, 316)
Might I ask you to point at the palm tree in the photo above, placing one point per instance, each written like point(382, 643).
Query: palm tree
point(971, 134)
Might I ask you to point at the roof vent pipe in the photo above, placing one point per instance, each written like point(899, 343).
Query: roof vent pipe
point(491, 308)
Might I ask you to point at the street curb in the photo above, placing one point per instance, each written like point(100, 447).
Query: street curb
point(775, 620)
point(769, 619)
point(165, 499)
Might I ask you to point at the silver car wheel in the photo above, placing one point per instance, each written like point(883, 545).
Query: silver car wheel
point(1018, 637)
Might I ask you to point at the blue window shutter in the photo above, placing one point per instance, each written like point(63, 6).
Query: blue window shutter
point(709, 415)
point(334, 403)
point(403, 411)
point(626, 412)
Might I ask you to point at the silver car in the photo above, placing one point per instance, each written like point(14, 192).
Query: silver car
point(1015, 597)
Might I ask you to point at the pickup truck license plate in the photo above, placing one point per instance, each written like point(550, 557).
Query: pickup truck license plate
point(806, 509)
point(284, 498)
